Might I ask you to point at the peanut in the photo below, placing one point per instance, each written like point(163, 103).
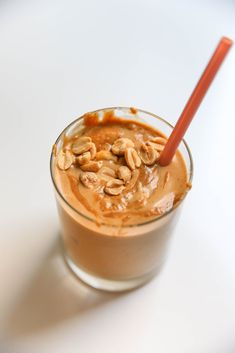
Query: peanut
point(132, 158)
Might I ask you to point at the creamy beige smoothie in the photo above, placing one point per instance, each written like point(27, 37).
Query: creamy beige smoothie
point(117, 205)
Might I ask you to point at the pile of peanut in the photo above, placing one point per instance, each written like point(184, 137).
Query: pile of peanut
point(83, 154)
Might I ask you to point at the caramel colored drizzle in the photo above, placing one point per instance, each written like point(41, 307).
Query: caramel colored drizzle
point(91, 119)
point(74, 187)
point(133, 110)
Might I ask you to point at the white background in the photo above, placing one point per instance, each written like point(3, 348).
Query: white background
point(59, 59)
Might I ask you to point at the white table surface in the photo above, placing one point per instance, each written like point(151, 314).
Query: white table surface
point(59, 59)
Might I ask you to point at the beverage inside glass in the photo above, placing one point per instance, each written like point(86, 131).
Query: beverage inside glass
point(109, 256)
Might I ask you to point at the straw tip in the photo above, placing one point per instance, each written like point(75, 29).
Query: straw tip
point(227, 41)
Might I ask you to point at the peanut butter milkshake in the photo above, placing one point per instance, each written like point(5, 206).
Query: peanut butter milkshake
point(117, 206)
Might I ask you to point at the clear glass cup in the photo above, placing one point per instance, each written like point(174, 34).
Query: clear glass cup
point(109, 257)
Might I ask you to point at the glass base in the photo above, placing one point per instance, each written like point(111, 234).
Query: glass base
point(107, 284)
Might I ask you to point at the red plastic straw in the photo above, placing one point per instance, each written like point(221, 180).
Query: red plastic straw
point(195, 101)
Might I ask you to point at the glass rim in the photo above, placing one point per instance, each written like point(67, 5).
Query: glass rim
point(155, 219)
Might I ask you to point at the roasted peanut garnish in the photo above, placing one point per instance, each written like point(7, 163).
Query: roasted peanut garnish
point(83, 144)
point(158, 143)
point(114, 187)
point(65, 159)
point(92, 166)
point(106, 156)
point(148, 154)
point(120, 145)
point(89, 179)
point(84, 158)
point(134, 177)
point(124, 173)
point(132, 158)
